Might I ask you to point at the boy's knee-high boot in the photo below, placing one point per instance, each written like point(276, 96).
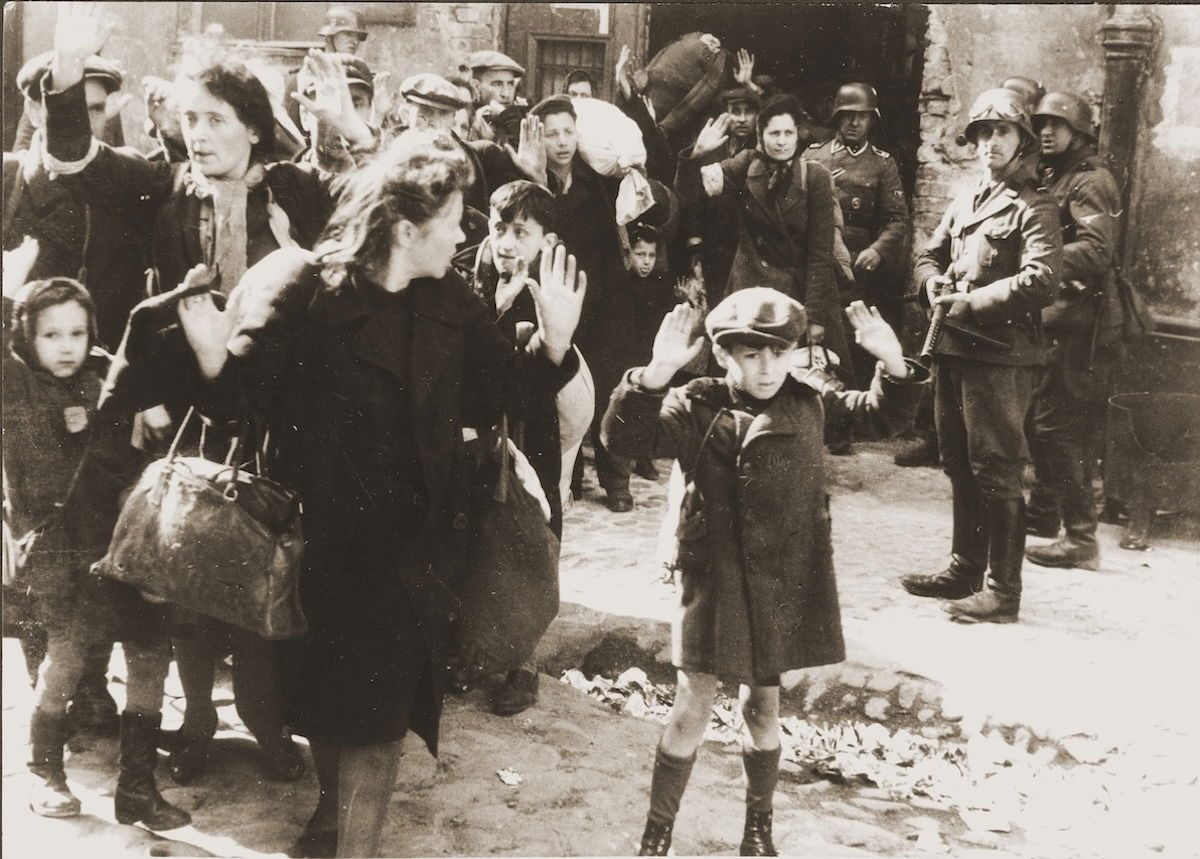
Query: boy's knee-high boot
point(1001, 601)
point(667, 785)
point(50, 796)
point(762, 774)
point(137, 797)
point(968, 547)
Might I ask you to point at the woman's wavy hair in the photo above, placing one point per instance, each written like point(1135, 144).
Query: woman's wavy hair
point(779, 105)
point(212, 65)
point(412, 180)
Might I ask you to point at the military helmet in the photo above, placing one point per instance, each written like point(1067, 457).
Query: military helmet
point(999, 105)
point(855, 96)
point(1068, 107)
point(343, 19)
point(1028, 87)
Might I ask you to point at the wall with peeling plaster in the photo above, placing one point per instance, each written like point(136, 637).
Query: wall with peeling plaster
point(972, 48)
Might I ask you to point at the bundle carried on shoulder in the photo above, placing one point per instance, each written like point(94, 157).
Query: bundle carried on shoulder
point(611, 144)
point(684, 78)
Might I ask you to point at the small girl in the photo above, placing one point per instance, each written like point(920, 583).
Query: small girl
point(64, 470)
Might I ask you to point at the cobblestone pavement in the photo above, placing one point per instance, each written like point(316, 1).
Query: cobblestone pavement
point(1077, 721)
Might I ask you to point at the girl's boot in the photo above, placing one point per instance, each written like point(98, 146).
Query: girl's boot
point(137, 797)
point(667, 785)
point(762, 774)
point(50, 796)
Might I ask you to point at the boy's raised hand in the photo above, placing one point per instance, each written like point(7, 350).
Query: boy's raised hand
point(530, 155)
point(877, 337)
point(80, 31)
point(558, 297)
point(331, 100)
point(17, 264)
point(676, 344)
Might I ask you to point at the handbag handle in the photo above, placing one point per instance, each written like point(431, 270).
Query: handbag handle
point(231, 458)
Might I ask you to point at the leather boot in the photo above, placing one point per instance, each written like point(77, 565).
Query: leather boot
point(1077, 549)
point(49, 795)
point(189, 757)
point(656, 839)
point(1001, 601)
point(968, 546)
point(921, 454)
point(756, 838)
point(137, 797)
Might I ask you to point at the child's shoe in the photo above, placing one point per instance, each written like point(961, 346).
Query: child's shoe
point(656, 840)
point(50, 796)
point(756, 838)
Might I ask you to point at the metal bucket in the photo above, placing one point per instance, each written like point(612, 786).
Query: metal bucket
point(1152, 460)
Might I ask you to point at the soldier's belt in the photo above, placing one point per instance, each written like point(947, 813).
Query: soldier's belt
point(976, 334)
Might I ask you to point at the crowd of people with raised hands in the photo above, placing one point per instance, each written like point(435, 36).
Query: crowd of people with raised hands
point(373, 276)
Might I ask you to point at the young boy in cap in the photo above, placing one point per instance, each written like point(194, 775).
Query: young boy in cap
point(757, 590)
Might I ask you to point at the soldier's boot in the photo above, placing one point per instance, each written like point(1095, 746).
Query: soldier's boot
point(49, 794)
point(1077, 549)
point(762, 774)
point(1043, 518)
point(968, 547)
point(137, 798)
point(1000, 602)
point(922, 453)
point(667, 785)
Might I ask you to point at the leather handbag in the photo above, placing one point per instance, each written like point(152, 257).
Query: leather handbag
point(213, 538)
point(509, 594)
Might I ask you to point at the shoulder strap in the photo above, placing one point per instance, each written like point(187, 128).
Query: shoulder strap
point(707, 434)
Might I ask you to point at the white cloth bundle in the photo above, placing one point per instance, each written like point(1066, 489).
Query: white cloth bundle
point(611, 144)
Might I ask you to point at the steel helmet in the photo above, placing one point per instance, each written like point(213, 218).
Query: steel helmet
point(1028, 87)
point(855, 96)
point(1068, 107)
point(1000, 105)
point(343, 19)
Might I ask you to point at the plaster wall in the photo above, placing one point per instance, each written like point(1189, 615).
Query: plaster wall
point(972, 48)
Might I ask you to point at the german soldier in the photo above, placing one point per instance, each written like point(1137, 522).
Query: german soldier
point(873, 207)
point(1068, 409)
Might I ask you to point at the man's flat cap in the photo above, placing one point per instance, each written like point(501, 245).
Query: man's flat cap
point(432, 90)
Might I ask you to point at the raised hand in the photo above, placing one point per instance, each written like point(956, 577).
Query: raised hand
point(712, 136)
point(510, 286)
point(530, 154)
point(676, 344)
point(79, 32)
point(206, 327)
point(558, 297)
point(744, 73)
point(619, 72)
point(17, 264)
point(877, 337)
point(331, 101)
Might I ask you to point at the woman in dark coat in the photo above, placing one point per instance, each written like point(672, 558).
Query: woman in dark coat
point(785, 221)
point(226, 207)
point(366, 360)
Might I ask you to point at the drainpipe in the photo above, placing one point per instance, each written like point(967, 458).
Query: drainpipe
point(1129, 37)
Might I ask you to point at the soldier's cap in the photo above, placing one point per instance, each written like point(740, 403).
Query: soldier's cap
point(433, 91)
point(357, 73)
point(486, 61)
point(758, 316)
point(31, 75)
point(741, 93)
point(343, 19)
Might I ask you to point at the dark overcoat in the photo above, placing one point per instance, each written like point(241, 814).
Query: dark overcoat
point(757, 589)
point(785, 235)
point(366, 404)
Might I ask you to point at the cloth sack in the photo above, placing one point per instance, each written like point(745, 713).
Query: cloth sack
point(213, 538)
point(611, 144)
point(684, 78)
point(509, 594)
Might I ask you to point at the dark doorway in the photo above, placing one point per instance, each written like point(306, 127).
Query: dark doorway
point(811, 50)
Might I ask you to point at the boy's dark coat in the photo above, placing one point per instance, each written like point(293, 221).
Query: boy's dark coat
point(758, 595)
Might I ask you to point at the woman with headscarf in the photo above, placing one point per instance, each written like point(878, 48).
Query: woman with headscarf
point(785, 219)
